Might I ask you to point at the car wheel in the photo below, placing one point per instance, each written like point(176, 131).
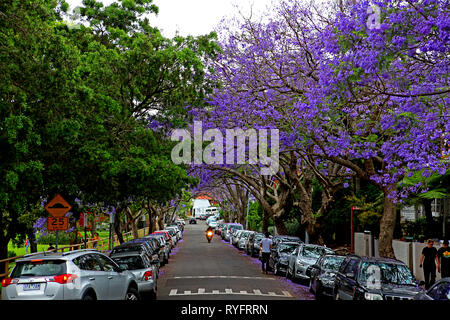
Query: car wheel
point(336, 295)
point(294, 272)
point(89, 297)
point(276, 271)
point(287, 272)
point(318, 292)
point(132, 294)
point(153, 294)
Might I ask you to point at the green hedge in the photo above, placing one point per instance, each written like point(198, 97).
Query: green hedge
point(63, 238)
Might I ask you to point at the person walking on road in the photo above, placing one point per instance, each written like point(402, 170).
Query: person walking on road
point(443, 255)
point(266, 245)
point(428, 259)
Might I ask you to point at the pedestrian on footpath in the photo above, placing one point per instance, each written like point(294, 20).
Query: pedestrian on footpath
point(266, 245)
point(95, 238)
point(444, 260)
point(427, 260)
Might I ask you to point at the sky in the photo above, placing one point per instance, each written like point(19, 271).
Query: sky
point(194, 17)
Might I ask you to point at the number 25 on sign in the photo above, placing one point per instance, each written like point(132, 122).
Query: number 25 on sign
point(57, 223)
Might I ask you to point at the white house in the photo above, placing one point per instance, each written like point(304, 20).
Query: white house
point(199, 207)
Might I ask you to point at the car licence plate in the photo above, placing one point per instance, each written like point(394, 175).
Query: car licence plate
point(31, 286)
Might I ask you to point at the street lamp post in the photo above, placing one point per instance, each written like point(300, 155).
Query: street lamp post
point(352, 245)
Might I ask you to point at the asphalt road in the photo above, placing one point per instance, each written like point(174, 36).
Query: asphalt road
point(198, 270)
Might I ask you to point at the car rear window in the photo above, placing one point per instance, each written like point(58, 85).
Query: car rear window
point(166, 235)
point(130, 263)
point(160, 240)
point(39, 268)
point(127, 249)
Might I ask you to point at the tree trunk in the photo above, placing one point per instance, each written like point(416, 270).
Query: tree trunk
point(428, 212)
point(161, 220)
point(242, 215)
point(117, 227)
point(4, 240)
point(152, 222)
point(32, 241)
point(3, 252)
point(264, 222)
point(280, 225)
point(131, 220)
point(314, 235)
point(151, 218)
point(387, 225)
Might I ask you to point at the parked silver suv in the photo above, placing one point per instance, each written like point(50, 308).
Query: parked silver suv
point(79, 274)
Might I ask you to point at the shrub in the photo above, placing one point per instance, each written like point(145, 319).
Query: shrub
point(63, 238)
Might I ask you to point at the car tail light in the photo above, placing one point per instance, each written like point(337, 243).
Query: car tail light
point(7, 281)
point(148, 275)
point(64, 278)
point(37, 261)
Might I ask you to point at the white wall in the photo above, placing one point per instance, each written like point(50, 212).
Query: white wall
point(359, 244)
point(403, 252)
point(363, 244)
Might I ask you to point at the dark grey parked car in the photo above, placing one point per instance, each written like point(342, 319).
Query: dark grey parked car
point(438, 291)
point(73, 275)
point(279, 256)
point(132, 247)
point(323, 275)
point(252, 244)
point(164, 247)
point(235, 235)
point(153, 247)
point(144, 271)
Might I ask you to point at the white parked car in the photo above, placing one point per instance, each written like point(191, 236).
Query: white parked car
point(212, 222)
point(69, 276)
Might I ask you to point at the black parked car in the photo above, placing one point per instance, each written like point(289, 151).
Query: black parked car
point(133, 247)
point(370, 278)
point(322, 275)
point(252, 244)
point(279, 256)
point(438, 291)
